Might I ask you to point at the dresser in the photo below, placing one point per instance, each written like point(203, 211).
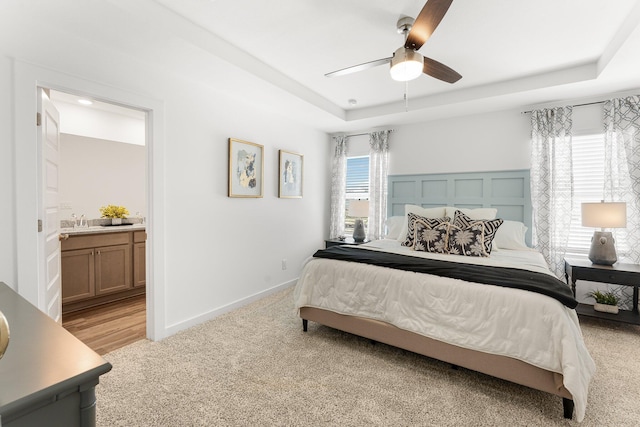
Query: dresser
point(47, 376)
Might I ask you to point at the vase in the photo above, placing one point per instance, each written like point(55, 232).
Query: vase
point(116, 221)
point(4, 334)
point(606, 308)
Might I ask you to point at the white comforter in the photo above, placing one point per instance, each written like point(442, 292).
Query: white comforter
point(524, 325)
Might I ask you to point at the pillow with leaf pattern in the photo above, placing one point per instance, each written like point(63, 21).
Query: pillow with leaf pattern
point(411, 226)
point(431, 236)
point(472, 237)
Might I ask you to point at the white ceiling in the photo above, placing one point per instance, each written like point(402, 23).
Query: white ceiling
point(508, 52)
point(511, 54)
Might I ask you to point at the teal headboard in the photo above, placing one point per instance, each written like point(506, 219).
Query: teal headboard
point(507, 191)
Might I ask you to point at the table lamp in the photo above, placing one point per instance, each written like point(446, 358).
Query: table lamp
point(603, 215)
point(359, 209)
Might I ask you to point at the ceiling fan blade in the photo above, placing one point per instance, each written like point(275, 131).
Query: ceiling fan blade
point(359, 67)
point(440, 71)
point(426, 22)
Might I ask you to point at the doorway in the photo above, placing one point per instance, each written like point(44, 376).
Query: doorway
point(103, 157)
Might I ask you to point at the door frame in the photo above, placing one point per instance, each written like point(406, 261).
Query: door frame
point(30, 284)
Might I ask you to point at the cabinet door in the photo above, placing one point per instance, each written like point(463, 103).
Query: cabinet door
point(113, 269)
point(77, 275)
point(139, 264)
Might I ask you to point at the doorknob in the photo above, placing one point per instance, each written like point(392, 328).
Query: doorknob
point(63, 236)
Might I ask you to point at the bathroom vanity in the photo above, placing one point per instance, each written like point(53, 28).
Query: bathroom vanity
point(102, 265)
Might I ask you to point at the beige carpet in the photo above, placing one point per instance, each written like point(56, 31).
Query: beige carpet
point(255, 367)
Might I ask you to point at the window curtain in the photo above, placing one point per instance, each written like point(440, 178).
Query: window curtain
point(622, 165)
point(338, 187)
point(551, 183)
point(378, 171)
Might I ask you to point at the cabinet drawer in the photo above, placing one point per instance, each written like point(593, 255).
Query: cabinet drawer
point(606, 276)
point(139, 236)
point(94, 240)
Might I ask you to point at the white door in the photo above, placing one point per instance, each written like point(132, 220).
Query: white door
point(50, 292)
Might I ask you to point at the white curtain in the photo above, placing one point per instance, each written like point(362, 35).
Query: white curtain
point(338, 187)
point(551, 183)
point(378, 171)
point(622, 165)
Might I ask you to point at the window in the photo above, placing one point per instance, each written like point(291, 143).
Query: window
point(588, 186)
point(357, 185)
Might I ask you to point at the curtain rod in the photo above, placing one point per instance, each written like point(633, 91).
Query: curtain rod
point(576, 105)
point(362, 134)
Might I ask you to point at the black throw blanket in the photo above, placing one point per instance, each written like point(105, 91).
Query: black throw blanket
point(500, 276)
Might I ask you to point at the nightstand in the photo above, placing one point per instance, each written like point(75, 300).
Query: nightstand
point(617, 274)
point(348, 241)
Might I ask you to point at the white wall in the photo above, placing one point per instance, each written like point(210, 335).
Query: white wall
point(211, 252)
point(95, 172)
point(7, 182)
point(482, 142)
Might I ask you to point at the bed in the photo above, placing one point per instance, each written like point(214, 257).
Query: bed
point(528, 336)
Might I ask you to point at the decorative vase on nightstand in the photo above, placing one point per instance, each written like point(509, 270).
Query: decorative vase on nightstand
point(4, 334)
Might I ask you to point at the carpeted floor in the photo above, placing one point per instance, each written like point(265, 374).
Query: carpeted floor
point(255, 367)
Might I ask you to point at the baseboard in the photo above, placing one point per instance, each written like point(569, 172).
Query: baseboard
point(177, 327)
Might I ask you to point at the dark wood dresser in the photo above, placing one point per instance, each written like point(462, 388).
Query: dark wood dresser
point(47, 376)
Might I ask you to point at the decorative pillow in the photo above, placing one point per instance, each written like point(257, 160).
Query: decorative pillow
point(411, 223)
point(431, 235)
point(394, 225)
point(418, 210)
point(478, 213)
point(472, 237)
point(511, 235)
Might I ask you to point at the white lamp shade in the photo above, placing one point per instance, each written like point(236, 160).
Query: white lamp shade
point(359, 208)
point(604, 215)
point(406, 64)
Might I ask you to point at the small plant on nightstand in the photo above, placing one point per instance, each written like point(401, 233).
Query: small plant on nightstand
point(606, 302)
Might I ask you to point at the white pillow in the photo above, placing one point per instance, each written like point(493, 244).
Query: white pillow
point(511, 235)
point(394, 225)
point(479, 213)
point(418, 210)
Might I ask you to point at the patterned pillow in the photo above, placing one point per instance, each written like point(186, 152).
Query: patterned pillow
point(431, 238)
point(472, 237)
point(411, 226)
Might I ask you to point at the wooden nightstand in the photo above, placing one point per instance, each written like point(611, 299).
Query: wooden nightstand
point(617, 274)
point(348, 241)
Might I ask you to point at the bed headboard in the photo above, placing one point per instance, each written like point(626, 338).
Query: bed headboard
point(507, 191)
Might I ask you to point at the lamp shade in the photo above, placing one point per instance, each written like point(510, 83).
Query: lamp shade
point(406, 64)
point(604, 215)
point(359, 208)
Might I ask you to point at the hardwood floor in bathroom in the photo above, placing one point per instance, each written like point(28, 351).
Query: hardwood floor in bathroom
point(111, 326)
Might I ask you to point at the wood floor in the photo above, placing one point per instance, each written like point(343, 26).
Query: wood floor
point(111, 326)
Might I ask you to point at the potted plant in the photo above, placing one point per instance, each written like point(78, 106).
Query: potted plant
point(606, 302)
point(116, 213)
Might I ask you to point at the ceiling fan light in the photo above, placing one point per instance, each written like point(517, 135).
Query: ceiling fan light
point(406, 65)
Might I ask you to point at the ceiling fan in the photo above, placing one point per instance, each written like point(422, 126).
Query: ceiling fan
point(406, 63)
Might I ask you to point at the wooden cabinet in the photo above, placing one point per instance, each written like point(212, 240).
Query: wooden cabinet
point(101, 268)
point(139, 258)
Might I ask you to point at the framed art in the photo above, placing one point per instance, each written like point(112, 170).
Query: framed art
point(246, 168)
point(290, 175)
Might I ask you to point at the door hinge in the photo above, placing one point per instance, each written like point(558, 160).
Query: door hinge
point(38, 119)
point(39, 225)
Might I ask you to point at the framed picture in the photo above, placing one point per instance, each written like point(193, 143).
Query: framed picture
point(246, 169)
point(290, 172)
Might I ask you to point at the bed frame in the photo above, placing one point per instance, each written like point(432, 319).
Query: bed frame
point(507, 191)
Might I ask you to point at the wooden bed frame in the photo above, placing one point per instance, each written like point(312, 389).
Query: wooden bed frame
point(508, 192)
point(502, 367)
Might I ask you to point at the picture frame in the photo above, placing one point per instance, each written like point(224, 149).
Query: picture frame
point(246, 168)
point(290, 172)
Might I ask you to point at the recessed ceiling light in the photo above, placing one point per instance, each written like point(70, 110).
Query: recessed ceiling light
point(352, 101)
point(85, 101)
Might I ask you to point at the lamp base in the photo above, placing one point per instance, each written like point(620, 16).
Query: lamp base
point(602, 251)
point(358, 231)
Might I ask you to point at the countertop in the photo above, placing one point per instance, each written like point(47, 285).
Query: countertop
point(103, 229)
